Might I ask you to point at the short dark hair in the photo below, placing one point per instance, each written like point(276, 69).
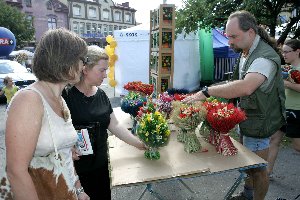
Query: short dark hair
point(293, 43)
point(247, 21)
point(57, 56)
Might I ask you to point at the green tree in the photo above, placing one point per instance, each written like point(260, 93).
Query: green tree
point(214, 13)
point(16, 21)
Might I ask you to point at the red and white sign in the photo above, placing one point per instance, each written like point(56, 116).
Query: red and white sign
point(6, 42)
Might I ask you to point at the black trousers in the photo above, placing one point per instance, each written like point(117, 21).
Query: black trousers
point(96, 184)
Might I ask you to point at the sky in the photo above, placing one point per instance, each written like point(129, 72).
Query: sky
point(143, 7)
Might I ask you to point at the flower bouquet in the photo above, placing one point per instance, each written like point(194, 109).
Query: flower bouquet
point(187, 117)
point(154, 132)
point(222, 117)
point(139, 87)
point(294, 76)
point(165, 104)
point(21, 58)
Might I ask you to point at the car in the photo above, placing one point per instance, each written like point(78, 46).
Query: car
point(21, 76)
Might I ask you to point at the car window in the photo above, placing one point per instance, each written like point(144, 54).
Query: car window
point(11, 67)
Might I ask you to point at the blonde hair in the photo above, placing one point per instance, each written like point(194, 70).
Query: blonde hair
point(94, 54)
point(6, 79)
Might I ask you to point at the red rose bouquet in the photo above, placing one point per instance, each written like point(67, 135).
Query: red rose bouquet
point(138, 86)
point(295, 76)
point(222, 117)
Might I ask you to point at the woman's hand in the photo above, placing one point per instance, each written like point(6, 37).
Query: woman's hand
point(83, 196)
point(76, 153)
point(141, 146)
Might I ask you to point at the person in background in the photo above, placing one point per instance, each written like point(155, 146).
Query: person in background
point(259, 85)
point(90, 108)
point(9, 90)
point(39, 131)
point(291, 55)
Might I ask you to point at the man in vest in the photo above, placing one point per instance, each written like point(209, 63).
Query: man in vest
point(260, 87)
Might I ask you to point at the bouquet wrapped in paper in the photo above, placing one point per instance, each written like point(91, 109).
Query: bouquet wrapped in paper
point(222, 117)
point(154, 132)
point(187, 117)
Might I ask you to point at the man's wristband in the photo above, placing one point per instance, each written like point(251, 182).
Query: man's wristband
point(205, 91)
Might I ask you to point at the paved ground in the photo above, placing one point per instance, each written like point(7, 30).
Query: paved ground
point(213, 187)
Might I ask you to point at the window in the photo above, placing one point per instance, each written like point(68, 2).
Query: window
point(75, 27)
point(49, 5)
point(117, 16)
point(105, 30)
point(92, 12)
point(51, 23)
point(110, 30)
point(115, 27)
point(28, 3)
point(105, 14)
point(81, 27)
point(88, 28)
point(94, 28)
point(127, 17)
point(76, 10)
point(99, 29)
point(120, 27)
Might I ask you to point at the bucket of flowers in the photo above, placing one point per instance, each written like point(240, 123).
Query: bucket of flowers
point(222, 117)
point(187, 117)
point(130, 104)
point(153, 130)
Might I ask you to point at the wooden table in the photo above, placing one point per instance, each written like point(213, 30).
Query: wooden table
point(128, 165)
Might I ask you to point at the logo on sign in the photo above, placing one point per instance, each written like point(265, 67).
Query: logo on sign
point(6, 42)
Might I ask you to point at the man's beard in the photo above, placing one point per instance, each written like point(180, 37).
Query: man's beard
point(236, 50)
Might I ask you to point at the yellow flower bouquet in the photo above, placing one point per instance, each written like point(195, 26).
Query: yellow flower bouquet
point(154, 132)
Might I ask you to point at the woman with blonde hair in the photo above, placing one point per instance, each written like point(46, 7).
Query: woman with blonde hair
point(91, 109)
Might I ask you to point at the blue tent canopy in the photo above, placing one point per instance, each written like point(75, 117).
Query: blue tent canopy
point(221, 47)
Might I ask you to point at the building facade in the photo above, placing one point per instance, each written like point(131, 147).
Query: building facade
point(93, 20)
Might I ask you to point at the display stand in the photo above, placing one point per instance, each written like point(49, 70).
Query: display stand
point(161, 52)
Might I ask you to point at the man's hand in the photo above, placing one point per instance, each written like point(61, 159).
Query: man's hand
point(195, 97)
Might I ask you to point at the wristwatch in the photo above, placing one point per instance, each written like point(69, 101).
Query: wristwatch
point(205, 91)
point(79, 191)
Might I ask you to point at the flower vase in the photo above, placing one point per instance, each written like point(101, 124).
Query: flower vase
point(225, 146)
point(152, 153)
point(192, 143)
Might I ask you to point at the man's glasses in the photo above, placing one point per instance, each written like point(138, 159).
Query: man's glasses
point(84, 60)
point(286, 52)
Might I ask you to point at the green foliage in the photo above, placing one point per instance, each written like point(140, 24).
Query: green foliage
point(14, 20)
point(205, 14)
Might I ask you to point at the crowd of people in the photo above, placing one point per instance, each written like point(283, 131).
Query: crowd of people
point(45, 144)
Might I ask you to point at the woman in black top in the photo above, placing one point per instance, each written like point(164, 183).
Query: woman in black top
point(90, 108)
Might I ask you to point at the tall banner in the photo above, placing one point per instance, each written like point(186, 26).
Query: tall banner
point(206, 55)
